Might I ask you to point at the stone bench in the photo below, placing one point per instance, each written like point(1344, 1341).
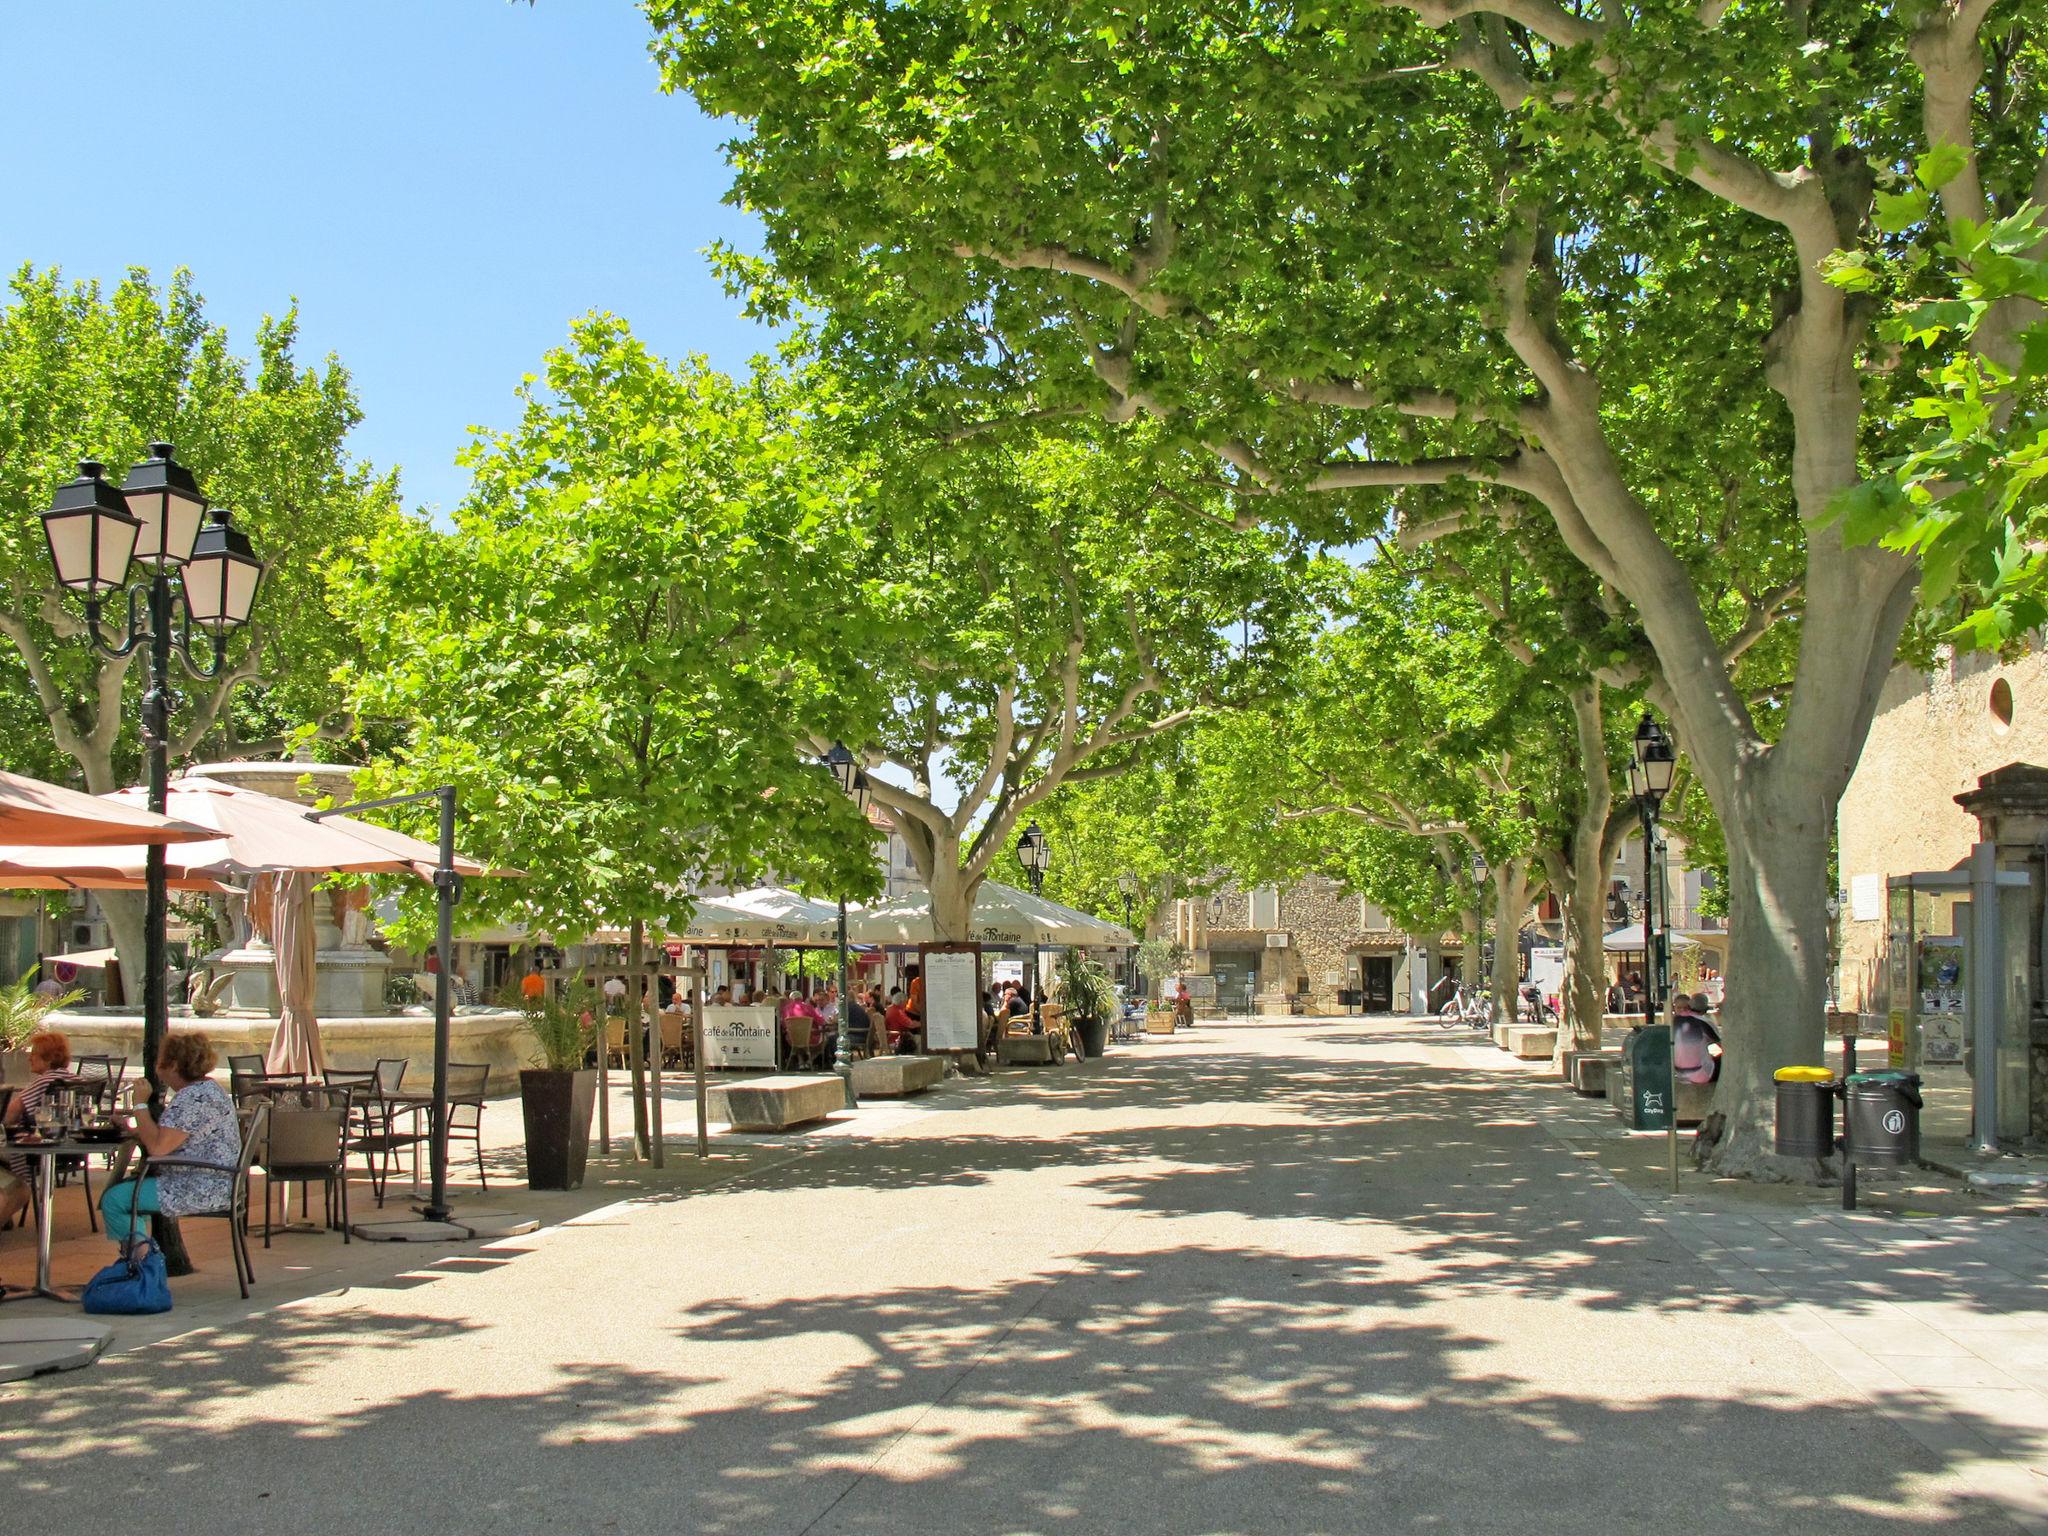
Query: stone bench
point(1587, 1071)
point(781, 1103)
point(1025, 1050)
point(1531, 1042)
point(889, 1077)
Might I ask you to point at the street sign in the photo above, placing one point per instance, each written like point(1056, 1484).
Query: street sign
point(673, 948)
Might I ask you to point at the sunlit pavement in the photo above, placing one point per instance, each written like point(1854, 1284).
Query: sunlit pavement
point(1327, 1277)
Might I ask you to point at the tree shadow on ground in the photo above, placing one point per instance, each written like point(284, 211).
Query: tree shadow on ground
point(1186, 1390)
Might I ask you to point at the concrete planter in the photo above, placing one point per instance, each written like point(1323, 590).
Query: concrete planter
point(1093, 1034)
point(557, 1107)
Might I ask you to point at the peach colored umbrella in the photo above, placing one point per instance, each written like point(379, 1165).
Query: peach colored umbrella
point(43, 815)
point(250, 832)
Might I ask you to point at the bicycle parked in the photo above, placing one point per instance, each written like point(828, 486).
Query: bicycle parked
point(1465, 1005)
point(1536, 1009)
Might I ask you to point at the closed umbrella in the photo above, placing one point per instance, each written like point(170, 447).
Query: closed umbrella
point(295, 1047)
point(32, 812)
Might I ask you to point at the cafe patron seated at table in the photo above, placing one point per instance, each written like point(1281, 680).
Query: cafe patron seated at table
point(49, 1061)
point(198, 1123)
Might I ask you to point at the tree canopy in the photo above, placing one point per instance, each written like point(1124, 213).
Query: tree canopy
point(613, 652)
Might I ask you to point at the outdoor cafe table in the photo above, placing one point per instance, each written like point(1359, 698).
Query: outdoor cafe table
point(46, 1190)
point(406, 1101)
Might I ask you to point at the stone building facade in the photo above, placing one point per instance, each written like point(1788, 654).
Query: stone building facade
point(1313, 947)
point(1935, 734)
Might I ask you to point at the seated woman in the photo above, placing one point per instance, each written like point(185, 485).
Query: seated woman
point(49, 1060)
point(801, 1027)
point(903, 1029)
point(198, 1123)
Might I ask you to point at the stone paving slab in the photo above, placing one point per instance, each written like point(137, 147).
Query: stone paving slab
point(39, 1346)
point(1941, 1322)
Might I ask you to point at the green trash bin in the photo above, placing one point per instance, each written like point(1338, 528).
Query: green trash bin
point(1642, 1094)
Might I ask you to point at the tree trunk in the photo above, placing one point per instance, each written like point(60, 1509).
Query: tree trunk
point(1510, 906)
point(123, 912)
point(636, 1032)
point(952, 893)
point(1472, 927)
point(1773, 1015)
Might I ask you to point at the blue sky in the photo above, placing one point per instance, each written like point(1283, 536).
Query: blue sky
point(442, 184)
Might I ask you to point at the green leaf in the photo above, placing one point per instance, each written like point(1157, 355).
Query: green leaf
point(1940, 165)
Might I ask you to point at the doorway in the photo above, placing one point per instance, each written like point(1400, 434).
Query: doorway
point(1237, 978)
point(1377, 978)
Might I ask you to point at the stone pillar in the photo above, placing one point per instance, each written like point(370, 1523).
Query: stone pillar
point(2011, 807)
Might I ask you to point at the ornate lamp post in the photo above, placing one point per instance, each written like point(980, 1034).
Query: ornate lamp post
point(1127, 886)
point(154, 520)
point(853, 784)
point(1035, 854)
point(1650, 772)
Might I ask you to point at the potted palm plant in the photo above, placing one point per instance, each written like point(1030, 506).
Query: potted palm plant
point(556, 1093)
point(1090, 998)
point(21, 1015)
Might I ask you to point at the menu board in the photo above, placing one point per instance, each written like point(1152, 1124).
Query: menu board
point(739, 1037)
point(952, 997)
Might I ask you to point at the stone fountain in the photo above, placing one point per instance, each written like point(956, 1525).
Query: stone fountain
point(351, 975)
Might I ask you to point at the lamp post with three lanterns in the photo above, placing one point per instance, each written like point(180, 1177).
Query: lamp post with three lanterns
point(156, 519)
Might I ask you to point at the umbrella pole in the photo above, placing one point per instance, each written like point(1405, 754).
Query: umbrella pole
point(697, 1057)
point(654, 1075)
point(448, 890)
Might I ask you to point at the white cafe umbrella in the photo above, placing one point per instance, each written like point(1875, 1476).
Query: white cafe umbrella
point(797, 919)
point(1002, 915)
point(1629, 940)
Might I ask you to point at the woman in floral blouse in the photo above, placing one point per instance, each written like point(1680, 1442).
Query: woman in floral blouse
point(198, 1123)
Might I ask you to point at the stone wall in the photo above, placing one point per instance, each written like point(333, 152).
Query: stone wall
point(1319, 918)
point(1934, 735)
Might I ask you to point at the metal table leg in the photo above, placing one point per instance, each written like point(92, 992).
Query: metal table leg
point(46, 1206)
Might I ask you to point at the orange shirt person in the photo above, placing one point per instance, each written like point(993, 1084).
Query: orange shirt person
point(899, 1023)
point(916, 1001)
point(533, 986)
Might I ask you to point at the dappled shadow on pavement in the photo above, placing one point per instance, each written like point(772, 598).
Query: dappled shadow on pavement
point(1287, 1293)
point(1182, 1390)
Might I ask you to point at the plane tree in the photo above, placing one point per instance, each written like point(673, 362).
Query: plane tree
point(1340, 248)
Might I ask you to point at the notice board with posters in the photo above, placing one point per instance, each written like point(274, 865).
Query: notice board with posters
point(952, 996)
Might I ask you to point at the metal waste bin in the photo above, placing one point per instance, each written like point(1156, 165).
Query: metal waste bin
point(1640, 1085)
point(1881, 1118)
point(1806, 1111)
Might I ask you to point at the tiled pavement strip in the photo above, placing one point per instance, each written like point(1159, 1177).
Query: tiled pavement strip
point(1939, 1322)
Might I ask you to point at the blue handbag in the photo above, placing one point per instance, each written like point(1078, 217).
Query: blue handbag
point(134, 1283)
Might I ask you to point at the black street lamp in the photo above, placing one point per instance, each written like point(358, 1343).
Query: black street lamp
point(1650, 772)
point(1127, 886)
point(1035, 854)
point(853, 784)
point(154, 520)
